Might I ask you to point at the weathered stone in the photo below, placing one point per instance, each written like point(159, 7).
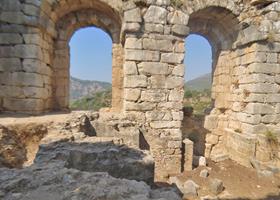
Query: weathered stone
point(135, 81)
point(178, 116)
point(153, 68)
point(204, 173)
point(152, 96)
point(131, 27)
point(142, 55)
point(212, 139)
point(176, 95)
point(162, 45)
point(133, 43)
point(266, 68)
point(156, 14)
point(174, 58)
point(174, 82)
point(10, 38)
point(10, 64)
point(216, 186)
point(144, 106)
point(132, 94)
point(190, 188)
point(154, 28)
point(174, 144)
point(164, 124)
point(179, 70)
point(130, 68)
point(211, 122)
point(258, 108)
point(133, 15)
point(188, 159)
point(178, 17)
point(181, 30)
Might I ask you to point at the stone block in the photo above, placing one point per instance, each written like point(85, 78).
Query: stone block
point(172, 58)
point(259, 108)
point(178, 17)
point(188, 159)
point(174, 82)
point(155, 115)
point(133, 43)
point(165, 124)
point(23, 105)
point(10, 38)
point(176, 95)
point(10, 64)
point(135, 81)
point(180, 30)
point(130, 68)
point(174, 144)
point(133, 15)
point(132, 94)
point(153, 96)
point(153, 68)
point(161, 45)
point(176, 106)
point(211, 122)
point(178, 116)
point(156, 15)
point(247, 118)
point(131, 27)
point(154, 28)
point(266, 68)
point(212, 139)
point(142, 55)
point(144, 106)
point(179, 70)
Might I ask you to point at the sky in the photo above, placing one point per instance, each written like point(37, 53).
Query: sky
point(91, 55)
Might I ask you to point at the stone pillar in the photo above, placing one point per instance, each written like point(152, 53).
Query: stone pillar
point(154, 80)
point(117, 78)
point(188, 155)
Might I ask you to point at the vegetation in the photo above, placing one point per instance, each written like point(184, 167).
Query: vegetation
point(198, 100)
point(93, 102)
point(93, 95)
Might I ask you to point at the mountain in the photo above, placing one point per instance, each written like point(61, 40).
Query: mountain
point(81, 88)
point(201, 83)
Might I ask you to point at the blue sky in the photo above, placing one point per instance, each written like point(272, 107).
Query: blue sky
point(91, 55)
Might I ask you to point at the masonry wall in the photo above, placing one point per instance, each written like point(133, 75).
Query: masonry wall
point(148, 72)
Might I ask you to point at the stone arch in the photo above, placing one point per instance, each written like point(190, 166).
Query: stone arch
point(220, 26)
point(69, 17)
point(226, 4)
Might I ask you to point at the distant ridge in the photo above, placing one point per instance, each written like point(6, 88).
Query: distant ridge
point(201, 83)
point(81, 88)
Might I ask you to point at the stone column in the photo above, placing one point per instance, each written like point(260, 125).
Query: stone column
point(117, 78)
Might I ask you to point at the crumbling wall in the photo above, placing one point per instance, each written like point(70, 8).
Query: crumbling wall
point(148, 72)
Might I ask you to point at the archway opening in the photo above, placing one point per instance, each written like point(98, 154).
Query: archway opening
point(197, 98)
point(220, 27)
point(90, 69)
point(66, 28)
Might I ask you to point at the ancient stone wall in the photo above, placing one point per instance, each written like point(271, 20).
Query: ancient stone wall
point(148, 73)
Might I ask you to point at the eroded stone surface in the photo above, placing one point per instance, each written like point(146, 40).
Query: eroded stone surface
point(147, 67)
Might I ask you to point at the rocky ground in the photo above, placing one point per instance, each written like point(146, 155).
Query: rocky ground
point(59, 157)
point(72, 164)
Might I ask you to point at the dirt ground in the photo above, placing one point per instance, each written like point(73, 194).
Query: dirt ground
point(240, 183)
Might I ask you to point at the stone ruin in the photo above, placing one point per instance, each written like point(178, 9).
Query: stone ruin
point(148, 72)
